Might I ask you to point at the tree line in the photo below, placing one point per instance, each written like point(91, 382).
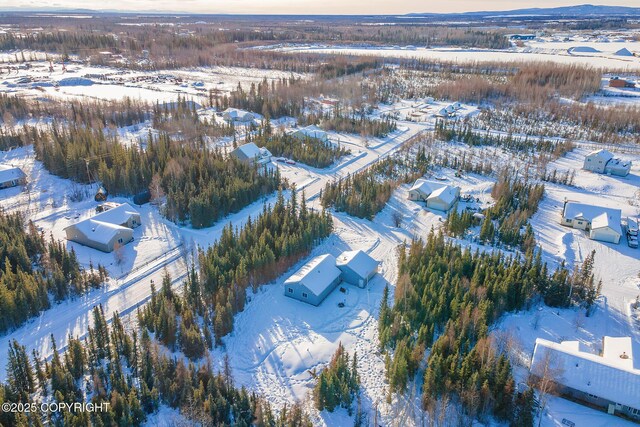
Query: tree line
point(127, 371)
point(446, 299)
point(263, 249)
point(195, 183)
point(35, 271)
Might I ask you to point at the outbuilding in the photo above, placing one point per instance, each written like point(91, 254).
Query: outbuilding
point(314, 281)
point(357, 267)
point(11, 177)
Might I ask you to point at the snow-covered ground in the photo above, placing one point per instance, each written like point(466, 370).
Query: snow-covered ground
point(617, 265)
point(110, 83)
point(460, 55)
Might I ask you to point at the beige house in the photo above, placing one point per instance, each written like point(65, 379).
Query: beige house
point(106, 230)
point(437, 195)
point(602, 224)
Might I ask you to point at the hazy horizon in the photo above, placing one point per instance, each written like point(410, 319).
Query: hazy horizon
point(301, 7)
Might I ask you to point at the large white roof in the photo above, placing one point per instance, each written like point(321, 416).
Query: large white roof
point(117, 215)
point(609, 376)
point(612, 217)
point(99, 231)
point(426, 187)
point(360, 262)
point(602, 154)
point(10, 173)
point(317, 274)
point(605, 220)
point(447, 194)
point(250, 151)
point(313, 131)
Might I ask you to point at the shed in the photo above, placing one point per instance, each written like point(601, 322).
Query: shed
point(314, 281)
point(357, 267)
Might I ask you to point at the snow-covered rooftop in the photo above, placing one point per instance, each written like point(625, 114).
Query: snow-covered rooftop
point(313, 131)
point(99, 231)
point(249, 151)
point(10, 173)
point(611, 377)
point(317, 274)
point(604, 155)
point(117, 215)
point(358, 261)
point(426, 187)
point(612, 217)
point(446, 193)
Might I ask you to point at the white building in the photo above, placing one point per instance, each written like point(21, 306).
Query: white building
point(609, 381)
point(437, 195)
point(106, 230)
point(603, 224)
point(11, 177)
point(237, 115)
point(311, 132)
point(314, 281)
point(251, 153)
point(602, 161)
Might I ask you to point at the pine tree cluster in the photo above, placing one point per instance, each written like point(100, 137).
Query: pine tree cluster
point(34, 270)
point(338, 384)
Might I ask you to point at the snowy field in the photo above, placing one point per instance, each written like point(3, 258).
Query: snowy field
point(459, 55)
point(110, 83)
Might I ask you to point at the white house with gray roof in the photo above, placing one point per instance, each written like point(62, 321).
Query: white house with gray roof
point(437, 195)
point(602, 161)
point(11, 177)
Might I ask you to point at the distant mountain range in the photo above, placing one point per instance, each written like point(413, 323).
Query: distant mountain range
point(577, 11)
point(583, 10)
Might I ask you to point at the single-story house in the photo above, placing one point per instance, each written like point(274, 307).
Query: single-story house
point(107, 229)
point(11, 177)
point(237, 115)
point(314, 281)
point(311, 132)
point(437, 195)
point(603, 224)
point(357, 267)
point(251, 153)
point(602, 161)
point(609, 380)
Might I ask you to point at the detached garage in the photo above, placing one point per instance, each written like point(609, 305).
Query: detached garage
point(314, 281)
point(357, 267)
point(606, 228)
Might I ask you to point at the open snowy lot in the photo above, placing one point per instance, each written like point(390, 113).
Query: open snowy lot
point(111, 83)
point(459, 55)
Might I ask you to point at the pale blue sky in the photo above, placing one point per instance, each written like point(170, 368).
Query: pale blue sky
point(304, 6)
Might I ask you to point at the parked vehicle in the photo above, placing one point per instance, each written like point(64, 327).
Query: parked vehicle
point(632, 241)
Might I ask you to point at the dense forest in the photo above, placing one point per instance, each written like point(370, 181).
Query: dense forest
point(131, 377)
point(262, 250)
point(35, 271)
point(338, 384)
point(199, 185)
point(446, 299)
